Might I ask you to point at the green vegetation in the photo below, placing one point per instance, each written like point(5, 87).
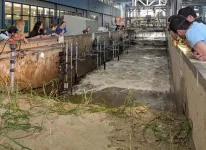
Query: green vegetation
point(165, 127)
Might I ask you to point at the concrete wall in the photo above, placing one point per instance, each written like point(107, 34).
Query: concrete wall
point(33, 72)
point(189, 90)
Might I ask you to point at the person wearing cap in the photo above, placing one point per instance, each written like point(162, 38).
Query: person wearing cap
point(194, 32)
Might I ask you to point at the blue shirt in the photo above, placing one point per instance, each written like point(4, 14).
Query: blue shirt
point(59, 30)
point(196, 33)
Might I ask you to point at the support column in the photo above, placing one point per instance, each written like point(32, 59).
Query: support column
point(133, 2)
point(2, 14)
point(178, 5)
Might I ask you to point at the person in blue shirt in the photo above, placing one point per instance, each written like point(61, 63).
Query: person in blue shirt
point(62, 29)
point(190, 14)
point(194, 32)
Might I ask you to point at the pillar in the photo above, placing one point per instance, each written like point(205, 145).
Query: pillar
point(178, 5)
point(2, 13)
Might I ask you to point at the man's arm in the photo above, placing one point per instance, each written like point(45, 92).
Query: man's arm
point(200, 47)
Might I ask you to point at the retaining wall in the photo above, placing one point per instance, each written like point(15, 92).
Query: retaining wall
point(189, 90)
point(32, 72)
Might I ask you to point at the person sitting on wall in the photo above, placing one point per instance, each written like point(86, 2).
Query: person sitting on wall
point(38, 31)
point(194, 32)
point(86, 31)
point(52, 31)
point(62, 29)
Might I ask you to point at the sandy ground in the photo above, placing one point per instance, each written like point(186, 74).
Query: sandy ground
point(91, 131)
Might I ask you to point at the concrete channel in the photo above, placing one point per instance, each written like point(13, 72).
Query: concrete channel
point(143, 72)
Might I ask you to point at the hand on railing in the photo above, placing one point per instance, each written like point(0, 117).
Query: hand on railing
point(199, 56)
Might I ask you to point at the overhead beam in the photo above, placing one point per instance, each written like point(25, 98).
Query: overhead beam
point(142, 2)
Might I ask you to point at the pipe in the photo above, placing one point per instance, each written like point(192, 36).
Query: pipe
point(97, 52)
point(118, 51)
point(113, 50)
point(66, 86)
point(100, 52)
point(71, 68)
point(104, 55)
point(12, 66)
point(76, 63)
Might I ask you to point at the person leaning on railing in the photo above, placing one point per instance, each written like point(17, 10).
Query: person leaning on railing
point(52, 30)
point(38, 31)
point(12, 34)
point(15, 32)
point(177, 41)
point(190, 14)
point(87, 30)
point(193, 32)
point(61, 30)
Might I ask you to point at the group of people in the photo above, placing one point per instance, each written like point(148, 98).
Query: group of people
point(54, 30)
point(186, 28)
point(16, 31)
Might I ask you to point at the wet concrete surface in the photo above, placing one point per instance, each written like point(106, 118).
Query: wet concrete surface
point(142, 73)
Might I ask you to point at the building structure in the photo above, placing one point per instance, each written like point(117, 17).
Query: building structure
point(52, 11)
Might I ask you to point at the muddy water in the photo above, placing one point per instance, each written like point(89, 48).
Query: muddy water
point(142, 73)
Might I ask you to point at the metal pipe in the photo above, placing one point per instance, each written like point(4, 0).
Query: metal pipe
point(71, 68)
point(104, 55)
point(66, 86)
point(76, 63)
point(12, 66)
point(118, 51)
point(113, 49)
point(123, 44)
point(100, 52)
point(97, 52)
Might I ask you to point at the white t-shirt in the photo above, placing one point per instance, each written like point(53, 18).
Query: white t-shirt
point(4, 36)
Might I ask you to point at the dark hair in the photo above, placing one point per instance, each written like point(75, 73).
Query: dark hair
point(179, 23)
point(62, 23)
point(36, 30)
point(37, 26)
point(187, 11)
point(180, 11)
point(53, 25)
point(12, 29)
point(170, 18)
